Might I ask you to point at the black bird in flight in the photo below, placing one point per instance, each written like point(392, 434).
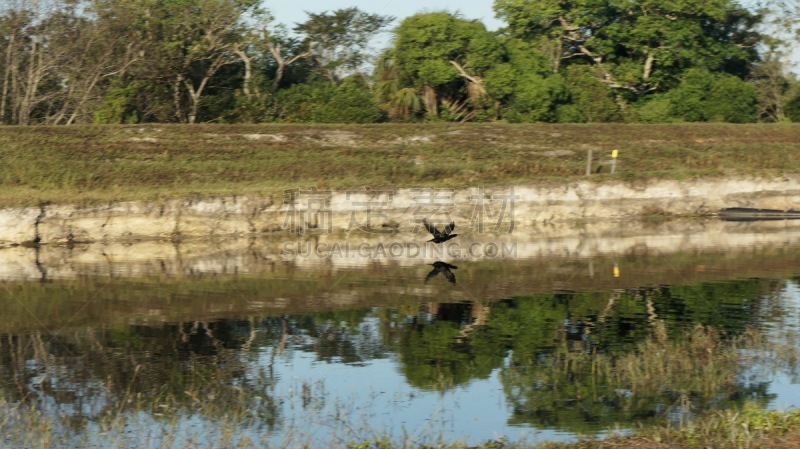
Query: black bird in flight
point(440, 236)
point(444, 268)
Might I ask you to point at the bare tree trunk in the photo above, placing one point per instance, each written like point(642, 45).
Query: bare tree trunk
point(276, 80)
point(85, 75)
point(194, 95)
point(33, 78)
point(282, 64)
point(431, 101)
point(475, 89)
point(83, 99)
point(9, 62)
point(15, 94)
point(59, 116)
point(176, 97)
point(648, 66)
point(248, 72)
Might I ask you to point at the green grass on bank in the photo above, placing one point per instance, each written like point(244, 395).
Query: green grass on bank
point(745, 428)
point(105, 163)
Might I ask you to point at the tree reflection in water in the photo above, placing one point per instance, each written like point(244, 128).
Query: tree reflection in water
point(571, 361)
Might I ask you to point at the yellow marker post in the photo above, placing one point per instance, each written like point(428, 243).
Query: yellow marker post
point(616, 270)
point(614, 154)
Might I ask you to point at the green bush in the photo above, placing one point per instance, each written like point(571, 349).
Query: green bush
point(593, 99)
point(703, 96)
point(115, 107)
point(350, 102)
point(569, 113)
point(687, 101)
point(793, 109)
point(323, 102)
point(731, 100)
point(655, 109)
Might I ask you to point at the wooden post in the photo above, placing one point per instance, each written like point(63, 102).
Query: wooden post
point(613, 161)
point(589, 163)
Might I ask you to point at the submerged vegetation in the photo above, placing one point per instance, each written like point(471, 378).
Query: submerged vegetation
point(106, 163)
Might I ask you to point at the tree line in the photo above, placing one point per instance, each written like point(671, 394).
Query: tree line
point(229, 61)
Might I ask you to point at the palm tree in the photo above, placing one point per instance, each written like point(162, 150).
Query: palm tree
point(401, 103)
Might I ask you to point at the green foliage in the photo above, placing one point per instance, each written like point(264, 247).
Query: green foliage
point(793, 109)
point(349, 102)
point(116, 106)
point(428, 361)
point(426, 43)
point(558, 60)
point(637, 47)
point(253, 109)
point(654, 109)
point(704, 96)
point(297, 103)
point(569, 113)
point(405, 103)
point(447, 58)
point(732, 100)
point(501, 81)
point(563, 367)
point(592, 100)
point(535, 99)
point(688, 99)
point(524, 85)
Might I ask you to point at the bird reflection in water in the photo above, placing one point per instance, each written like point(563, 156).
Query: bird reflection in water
point(444, 268)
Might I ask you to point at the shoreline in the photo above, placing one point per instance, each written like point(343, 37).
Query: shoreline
point(496, 209)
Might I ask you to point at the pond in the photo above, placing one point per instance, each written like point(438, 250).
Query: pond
point(324, 341)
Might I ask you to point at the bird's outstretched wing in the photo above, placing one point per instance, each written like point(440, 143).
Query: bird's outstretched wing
point(432, 274)
point(450, 275)
point(449, 228)
point(430, 227)
point(444, 268)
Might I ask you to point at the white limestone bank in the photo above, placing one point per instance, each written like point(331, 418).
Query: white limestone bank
point(526, 205)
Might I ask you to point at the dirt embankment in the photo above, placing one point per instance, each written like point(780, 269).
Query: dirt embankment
point(520, 205)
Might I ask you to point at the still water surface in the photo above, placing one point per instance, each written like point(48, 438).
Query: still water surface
point(156, 345)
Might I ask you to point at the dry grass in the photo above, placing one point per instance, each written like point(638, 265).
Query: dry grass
point(105, 163)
